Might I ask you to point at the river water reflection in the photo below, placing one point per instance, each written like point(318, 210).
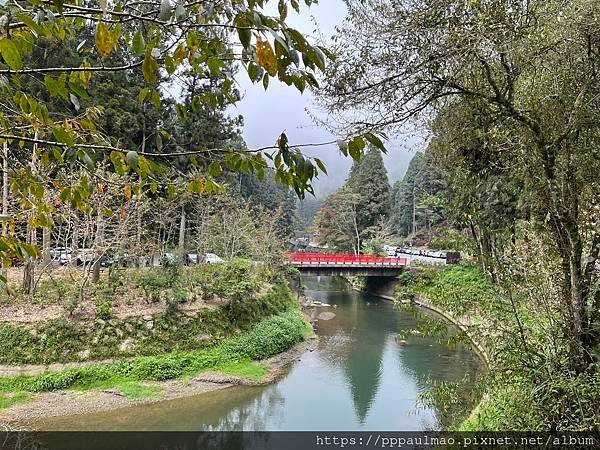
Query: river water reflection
point(356, 378)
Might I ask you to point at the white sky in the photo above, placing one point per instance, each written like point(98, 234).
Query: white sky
point(282, 108)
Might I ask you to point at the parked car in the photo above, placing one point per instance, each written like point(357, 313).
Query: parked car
point(192, 258)
point(85, 256)
point(211, 258)
point(168, 258)
point(60, 255)
point(390, 250)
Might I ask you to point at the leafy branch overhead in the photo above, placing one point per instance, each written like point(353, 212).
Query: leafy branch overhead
point(50, 118)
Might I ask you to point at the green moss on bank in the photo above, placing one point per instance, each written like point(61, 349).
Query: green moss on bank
point(234, 356)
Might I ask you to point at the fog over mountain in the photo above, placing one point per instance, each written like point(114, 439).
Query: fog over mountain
point(282, 108)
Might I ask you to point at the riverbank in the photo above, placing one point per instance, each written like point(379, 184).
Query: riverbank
point(31, 415)
point(254, 358)
point(390, 293)
point(527, 385)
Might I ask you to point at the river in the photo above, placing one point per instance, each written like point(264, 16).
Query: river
point(355, 377)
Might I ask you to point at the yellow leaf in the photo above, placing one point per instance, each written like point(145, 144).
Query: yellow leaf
point(106, 40)
point(266, 57)
point(179, 54)
point(127, 192)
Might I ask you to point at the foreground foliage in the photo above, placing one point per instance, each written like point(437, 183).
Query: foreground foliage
point(528, 386)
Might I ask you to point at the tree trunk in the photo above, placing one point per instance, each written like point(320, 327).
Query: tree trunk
point(4, 196)
point(46, 246)
point(98, 250)
point(140, 256)
point(29, 269)
point(182, 236)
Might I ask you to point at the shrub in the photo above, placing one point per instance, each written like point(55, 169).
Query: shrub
point(103, 309)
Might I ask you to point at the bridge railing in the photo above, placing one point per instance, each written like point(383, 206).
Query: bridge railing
point(337, 259)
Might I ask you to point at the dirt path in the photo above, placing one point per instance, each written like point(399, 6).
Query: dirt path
point(69, 402)
point(87, 310)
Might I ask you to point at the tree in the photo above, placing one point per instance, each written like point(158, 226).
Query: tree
point(272, 196)
point(98, 60)
point(368, 178)
point(353, 213)
point(417, 198)
point(337, 221)
point(398, 60)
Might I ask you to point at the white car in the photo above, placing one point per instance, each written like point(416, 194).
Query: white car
point(211, 258)
point(85, 256)
point(390, 250)
point(60, 255)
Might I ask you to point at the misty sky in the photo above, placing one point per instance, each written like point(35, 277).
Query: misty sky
point(282, 108)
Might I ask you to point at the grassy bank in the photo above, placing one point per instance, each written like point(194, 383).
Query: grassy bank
point(230, 298)
point(237, 356)
point(526, 387)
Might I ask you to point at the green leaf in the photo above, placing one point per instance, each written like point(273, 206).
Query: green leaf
point(181, 111)
point(169, 64)
point(245, 36)
point(321, 165)
point(354, 150)
point(56, 86)
point(254, 72)
point(215, 169)
point(155, 98)
point(283, 11)
point(143, 95)
point(63, 136)
point(10, 54)
point(375, 141)
point(318, 58)
point(138, 45)
point(282, 142)
point(171, 191)
point(31, 23)
point(299, 40)
point(89, 162)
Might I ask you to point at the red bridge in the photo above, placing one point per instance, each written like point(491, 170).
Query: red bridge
point(346, 264)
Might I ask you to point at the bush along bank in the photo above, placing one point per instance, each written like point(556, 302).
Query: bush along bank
point(526, 387)
point(235, 355)
point(247, 294)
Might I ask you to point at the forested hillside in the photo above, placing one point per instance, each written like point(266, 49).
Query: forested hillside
point(356, 213)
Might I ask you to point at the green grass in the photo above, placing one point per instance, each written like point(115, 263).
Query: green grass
point(249, 370)
point(233, 356)
point(130, 389)
point(12, 398)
